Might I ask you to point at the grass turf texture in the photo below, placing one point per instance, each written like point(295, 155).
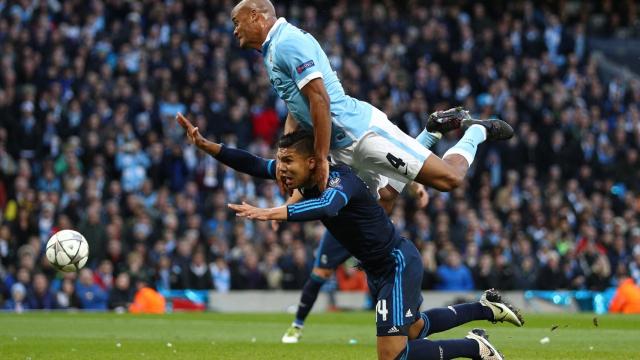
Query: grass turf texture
point(257, 336)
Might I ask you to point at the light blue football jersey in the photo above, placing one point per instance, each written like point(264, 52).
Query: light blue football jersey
point(293, 58)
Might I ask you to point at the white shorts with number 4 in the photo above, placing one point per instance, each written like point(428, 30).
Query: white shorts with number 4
point(383, 153)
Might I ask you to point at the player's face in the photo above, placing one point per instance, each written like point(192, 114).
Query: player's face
point(245, 27)
point(295, 168)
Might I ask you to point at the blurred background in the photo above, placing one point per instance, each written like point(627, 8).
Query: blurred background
point(89, 91)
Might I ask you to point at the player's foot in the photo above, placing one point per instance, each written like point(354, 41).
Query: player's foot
point(293, 335)
point(496, 128)
point(487, 351)
point(444, 121)
point(502, 310)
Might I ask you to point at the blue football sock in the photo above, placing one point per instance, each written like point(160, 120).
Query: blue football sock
point(441, 349)
point(428, 139)
point(309, 295)
point(441, 319)
point(467, 146)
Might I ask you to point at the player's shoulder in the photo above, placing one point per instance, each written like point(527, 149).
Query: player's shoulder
point(339, 174)
point(294, 39)
point(340, 170)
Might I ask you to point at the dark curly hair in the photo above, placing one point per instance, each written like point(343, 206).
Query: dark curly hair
point(300, 140)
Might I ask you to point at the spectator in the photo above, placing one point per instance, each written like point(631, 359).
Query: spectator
point(103, 276)
point(296, 270)
point(40, 296)
point(271, 269)
point(91, 295)
point(17, 302)
point(221, 275)
point(454, 275)
point(551, 275)
point(349, 278)
point(8, 247)
point(121, 295)
point(132, 162)
point(627, 298)
point(147, 301)
point(247, 275)
point(165, 276)
point(93, 228)
point(485, 275)
point(67, 297)
point(634, 266)
point(526, 273)
point(430, 277)
point(198, 276)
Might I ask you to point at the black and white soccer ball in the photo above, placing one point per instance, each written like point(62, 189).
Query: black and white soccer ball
point(67, 250)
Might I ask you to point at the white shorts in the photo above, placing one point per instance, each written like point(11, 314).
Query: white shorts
point(384, 154)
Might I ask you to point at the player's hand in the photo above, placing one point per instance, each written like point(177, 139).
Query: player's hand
point(322, 173)
point(192, 132)
point(422, 197)
point(250, 212)
point(275, 225)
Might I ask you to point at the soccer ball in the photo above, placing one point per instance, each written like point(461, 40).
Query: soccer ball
point(67, 250)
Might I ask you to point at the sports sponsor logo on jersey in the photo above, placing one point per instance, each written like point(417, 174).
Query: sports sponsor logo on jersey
point(304, 66)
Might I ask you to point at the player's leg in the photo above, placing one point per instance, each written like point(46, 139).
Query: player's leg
point(474, 346)
point(397, 315)
point(395, 187)
point(448, 173)
point(308, 298)
point(386, 189)
point(391, 152)
point(491, 307)
point(439, 123)
point(330, 254)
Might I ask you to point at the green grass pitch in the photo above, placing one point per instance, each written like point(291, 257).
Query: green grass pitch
point(257, 336)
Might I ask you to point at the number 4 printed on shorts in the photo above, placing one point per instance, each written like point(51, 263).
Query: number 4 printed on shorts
point(396, 162)
point(381, 308)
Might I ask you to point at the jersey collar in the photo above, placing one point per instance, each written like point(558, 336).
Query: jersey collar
point(272, 32)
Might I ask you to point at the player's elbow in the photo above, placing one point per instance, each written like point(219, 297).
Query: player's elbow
point(317, 94)
point(319, 100)
point(333, 209)
point(331, 212)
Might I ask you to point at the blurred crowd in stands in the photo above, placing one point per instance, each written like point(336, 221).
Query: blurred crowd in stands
point(89, 90)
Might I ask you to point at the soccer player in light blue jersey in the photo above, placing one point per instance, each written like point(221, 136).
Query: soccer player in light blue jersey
point(351, 131)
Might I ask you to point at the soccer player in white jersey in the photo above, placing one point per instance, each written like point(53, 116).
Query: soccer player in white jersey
point(353, 132)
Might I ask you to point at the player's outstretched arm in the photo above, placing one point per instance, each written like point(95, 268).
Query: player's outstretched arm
point(194, 136)
point(251, 212)
point(327, 205)
point(239, 160)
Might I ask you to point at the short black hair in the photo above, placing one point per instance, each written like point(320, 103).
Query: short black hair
point(300, 140)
